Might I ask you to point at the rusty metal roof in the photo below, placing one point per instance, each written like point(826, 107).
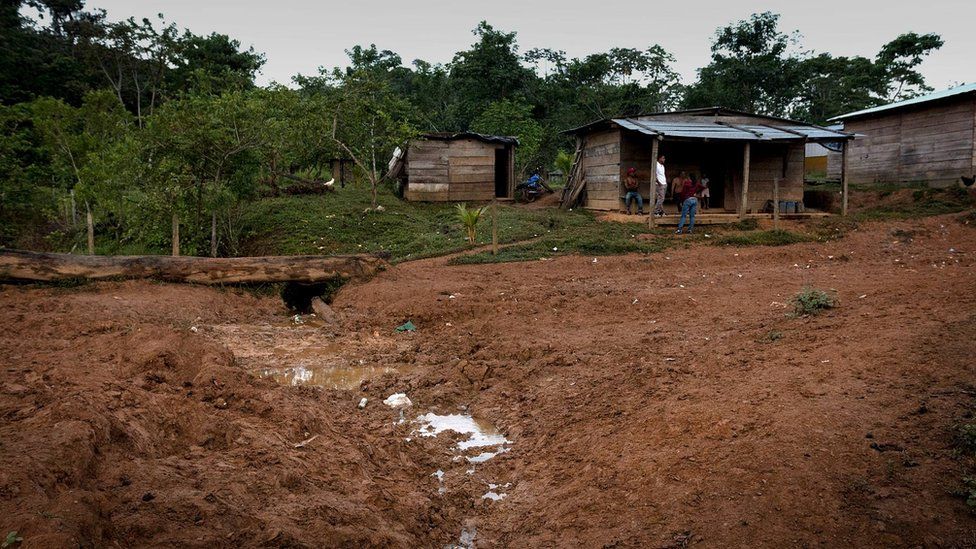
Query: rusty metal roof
point(451, 136)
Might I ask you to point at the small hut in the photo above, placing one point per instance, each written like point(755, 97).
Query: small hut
point(441, 167)
point(928, 139)
point(742, 154)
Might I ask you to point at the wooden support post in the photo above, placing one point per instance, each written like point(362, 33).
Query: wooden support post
point(176, 234)
point(651, 220)
point(843, 179)
point(494, 229)
point(744, 199)
point(776, 203)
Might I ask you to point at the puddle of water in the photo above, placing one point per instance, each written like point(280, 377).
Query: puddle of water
point(493, 496)
point(485, 456)
point(335, 377)
point(480, 434)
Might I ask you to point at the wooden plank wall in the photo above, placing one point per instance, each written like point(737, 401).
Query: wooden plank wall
point(766, 164)
point(932, 144)
point(460, 170)
point(635, 151)
point(601, 170)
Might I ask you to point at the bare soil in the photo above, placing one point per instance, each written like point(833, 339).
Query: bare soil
point(651, 401)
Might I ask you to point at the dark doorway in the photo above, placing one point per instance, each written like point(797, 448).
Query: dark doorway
point(501, 173)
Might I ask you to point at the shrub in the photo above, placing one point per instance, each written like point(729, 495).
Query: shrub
point(775, 237)
point(469, 218)
point(966, 437)
point(811, 301)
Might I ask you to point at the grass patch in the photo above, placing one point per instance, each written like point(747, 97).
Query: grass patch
point(336, 223)
point(966, 438)
point(579, 233)
point(776, 237)
point(968, 218)
point(770, 336)
point(925, 202)
point(747, 224)
point(812, 301)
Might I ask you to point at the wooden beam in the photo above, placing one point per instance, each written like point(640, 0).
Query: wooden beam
point(744, 199)
point(17, 265)
point(843, 179)
point(651, 220)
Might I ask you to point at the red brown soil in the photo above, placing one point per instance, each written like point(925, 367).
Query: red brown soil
point(658, 400)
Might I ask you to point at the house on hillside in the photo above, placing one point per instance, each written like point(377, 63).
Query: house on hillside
point(927, 139)
point(742, 154)
point(456, 167)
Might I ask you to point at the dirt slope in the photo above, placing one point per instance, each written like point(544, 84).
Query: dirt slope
point(655, 400)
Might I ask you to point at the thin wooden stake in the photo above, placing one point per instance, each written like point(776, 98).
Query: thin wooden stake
point(91, 229)
point(494, 229)
point(775, 203)
point(213, 234)
point(176, 234)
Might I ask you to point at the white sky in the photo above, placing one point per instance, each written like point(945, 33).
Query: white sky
point(299, 36)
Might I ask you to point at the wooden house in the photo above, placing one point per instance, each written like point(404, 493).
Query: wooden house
point(742, 155)
point(928, 139)
point(457, 167)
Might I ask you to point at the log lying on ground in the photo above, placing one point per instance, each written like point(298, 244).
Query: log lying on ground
point(16, 265)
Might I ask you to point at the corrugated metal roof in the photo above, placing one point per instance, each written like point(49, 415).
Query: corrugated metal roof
point(710, 129)
point(959, 90)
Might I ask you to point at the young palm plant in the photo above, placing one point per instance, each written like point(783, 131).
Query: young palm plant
point(469, 218)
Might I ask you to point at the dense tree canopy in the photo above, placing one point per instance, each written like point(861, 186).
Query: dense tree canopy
point(141, 123)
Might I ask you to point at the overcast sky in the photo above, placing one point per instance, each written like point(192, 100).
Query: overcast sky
point(300, 36)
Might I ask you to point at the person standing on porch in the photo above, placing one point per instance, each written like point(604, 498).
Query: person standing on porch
point(705, 193)
point(632, 185)
point(662, 187)
point(689, 204)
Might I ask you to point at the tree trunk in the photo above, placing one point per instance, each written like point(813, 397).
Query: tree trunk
point(176, 234)
point(213, 234)
point(74, 210)
point(91, 229)
point(18, 265)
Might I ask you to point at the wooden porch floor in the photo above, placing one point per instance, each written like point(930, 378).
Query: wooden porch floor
point(711, 216)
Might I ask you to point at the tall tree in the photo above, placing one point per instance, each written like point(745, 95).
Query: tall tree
point(752, 69)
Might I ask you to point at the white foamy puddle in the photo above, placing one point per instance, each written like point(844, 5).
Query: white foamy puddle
point(483, 442)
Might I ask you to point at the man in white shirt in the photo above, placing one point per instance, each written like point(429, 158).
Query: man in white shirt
point(662, 187)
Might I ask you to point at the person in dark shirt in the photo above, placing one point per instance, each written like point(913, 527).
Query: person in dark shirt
point(632, 185)
point(689, 203)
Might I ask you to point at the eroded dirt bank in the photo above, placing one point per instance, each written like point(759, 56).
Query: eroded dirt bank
point(653, 400)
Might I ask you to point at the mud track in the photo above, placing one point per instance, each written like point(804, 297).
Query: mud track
point(650, 401)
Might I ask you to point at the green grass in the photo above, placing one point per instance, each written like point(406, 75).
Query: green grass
point(775, 237)
point(335, 223)
point(579, 232)
point(925, 202)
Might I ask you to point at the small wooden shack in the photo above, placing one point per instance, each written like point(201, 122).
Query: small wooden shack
point(441, 167)
point(742, 154)
point(929, 139)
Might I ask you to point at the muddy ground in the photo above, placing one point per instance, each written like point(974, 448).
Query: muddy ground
point(649, 401)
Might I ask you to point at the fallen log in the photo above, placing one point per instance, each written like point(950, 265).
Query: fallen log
point(23, 266)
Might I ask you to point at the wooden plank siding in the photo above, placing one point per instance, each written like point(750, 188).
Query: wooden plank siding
point(933, 144)
point(601, 169)
point(456, 171)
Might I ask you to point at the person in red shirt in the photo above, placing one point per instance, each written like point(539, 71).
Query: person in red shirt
point(689, 203)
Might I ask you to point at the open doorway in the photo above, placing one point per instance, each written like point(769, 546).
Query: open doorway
point(502, 182)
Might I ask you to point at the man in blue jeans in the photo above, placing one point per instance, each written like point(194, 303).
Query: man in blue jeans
point(689, 203)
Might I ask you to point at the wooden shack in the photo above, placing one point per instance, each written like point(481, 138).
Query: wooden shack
point(458, 167)
point(742, 154)
point(928, 139)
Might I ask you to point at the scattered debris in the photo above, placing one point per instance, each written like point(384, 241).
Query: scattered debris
point(407, 326)
point(362, 403)
point(398, 400)
point(305, 442)
point(324, 312)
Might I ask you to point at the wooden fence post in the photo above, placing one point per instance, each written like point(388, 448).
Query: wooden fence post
point(494, 229)
point(843, 179)
point(776, 203)
point(744, 199)
point(176, 234)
